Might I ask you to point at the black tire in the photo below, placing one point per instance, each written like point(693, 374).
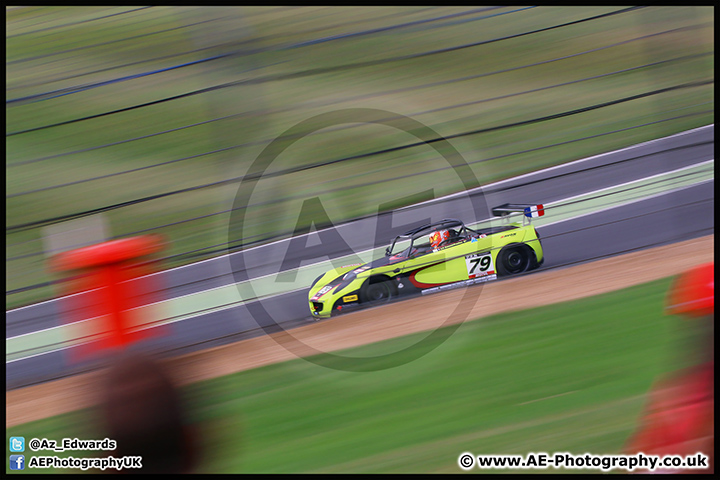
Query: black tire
point(513, 260)
point(376, 293)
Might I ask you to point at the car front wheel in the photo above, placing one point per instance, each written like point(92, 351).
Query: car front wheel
point(376, 293)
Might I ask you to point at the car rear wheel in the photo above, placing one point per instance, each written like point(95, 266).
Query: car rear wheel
point(513, 260)
point(376, 293)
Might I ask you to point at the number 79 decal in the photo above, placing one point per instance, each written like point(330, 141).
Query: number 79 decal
point(479, 265)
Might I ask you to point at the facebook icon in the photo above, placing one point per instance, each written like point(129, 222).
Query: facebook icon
point(17, 462)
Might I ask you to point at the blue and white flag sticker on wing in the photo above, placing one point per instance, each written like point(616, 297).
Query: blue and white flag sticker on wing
point(534, 211)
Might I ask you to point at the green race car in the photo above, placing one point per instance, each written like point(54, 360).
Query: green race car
point(433, 257)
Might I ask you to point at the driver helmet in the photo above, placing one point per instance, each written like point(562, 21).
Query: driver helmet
point(437, 237)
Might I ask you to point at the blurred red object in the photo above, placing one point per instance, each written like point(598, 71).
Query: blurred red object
point(110, 283)
point(693, 292)
point(679, 418)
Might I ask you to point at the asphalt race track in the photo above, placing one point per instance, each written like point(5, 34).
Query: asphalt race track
point(670, 217)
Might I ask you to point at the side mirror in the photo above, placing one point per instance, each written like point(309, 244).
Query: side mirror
point(387, 252)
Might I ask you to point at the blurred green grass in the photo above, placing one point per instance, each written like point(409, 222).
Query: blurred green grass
point(273, 106)
point(566, 377)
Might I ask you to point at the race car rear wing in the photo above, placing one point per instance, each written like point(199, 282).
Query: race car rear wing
point(529, 211)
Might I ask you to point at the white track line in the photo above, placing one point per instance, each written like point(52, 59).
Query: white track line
point(145, 327)
point(650, 177)
point(629, 202)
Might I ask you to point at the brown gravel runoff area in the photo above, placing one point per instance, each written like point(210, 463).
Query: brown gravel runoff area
point(402, 318)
